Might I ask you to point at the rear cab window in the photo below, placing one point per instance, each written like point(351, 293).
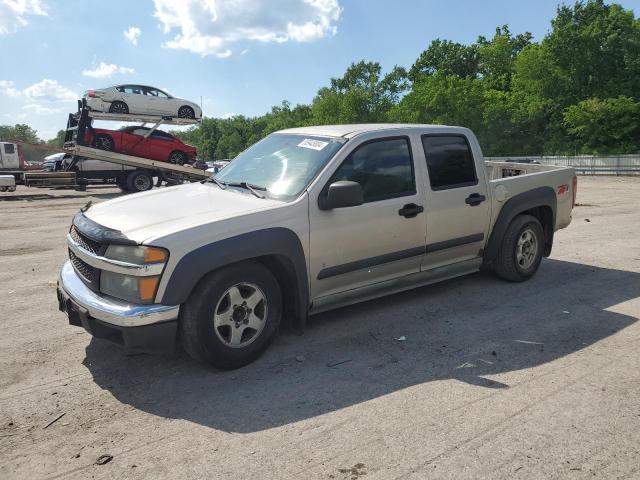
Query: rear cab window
point(450, 161)
point(383, 167)
point(9, 148)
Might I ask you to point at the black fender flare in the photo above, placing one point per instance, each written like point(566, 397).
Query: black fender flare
point(272, 243)
point(535, 198)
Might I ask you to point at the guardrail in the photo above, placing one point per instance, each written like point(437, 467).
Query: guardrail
point(585, 164)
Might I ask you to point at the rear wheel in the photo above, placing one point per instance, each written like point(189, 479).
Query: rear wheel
point(186, 112)
point(521, 250)
point(232, 315)
point(103, 142)
point(179, 158)
point(139, 181)
point(119, 107)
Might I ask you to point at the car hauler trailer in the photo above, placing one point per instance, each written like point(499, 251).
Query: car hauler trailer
point(85, 165)
point(129, 172)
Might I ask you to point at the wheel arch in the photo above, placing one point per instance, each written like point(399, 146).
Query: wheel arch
point(539, 202)
point(279, 249)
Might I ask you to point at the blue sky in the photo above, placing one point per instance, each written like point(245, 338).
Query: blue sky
point(241, 59)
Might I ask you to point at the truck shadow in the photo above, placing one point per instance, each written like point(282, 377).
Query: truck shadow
point(465, 329)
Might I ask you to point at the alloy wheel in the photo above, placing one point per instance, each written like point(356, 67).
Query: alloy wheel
point(526, 249)
point(240, 315)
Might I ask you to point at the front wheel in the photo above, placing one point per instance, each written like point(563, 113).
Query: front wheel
point(179, 158)
point(232, 315)
point(521, 250)
point(186, 112)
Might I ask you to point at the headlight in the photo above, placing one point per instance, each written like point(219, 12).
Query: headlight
point(137, 255)
point(133, 288)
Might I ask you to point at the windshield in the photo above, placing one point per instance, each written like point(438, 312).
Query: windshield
point(283, 164)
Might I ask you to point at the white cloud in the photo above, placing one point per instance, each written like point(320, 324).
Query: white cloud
point(106, 70)
point(213, 27)
point(14, 13)
point(7, 87)
point(49, 91)
point(42, 98)
point(42, 109)
point(132, 34)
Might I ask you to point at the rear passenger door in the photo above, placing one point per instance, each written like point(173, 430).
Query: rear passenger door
point(457, 205)
point(134, 97)
point(379, 240)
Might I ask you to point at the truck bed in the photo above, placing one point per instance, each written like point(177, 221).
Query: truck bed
point(509, 179)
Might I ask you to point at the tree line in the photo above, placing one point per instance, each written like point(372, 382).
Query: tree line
point(577, 91)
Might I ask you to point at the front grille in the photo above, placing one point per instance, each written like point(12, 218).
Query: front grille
point(90, 274)
point(85, 242)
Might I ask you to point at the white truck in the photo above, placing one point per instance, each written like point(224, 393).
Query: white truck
point(306, 220)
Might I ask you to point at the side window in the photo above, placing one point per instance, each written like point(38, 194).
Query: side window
point(155, 93)
point(384, 168)
point(140, 131)
point(132, 89)
point(449, 162)
point(161, 135)
point(9, 148)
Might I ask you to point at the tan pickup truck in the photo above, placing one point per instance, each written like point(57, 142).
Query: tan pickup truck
point(306, 220)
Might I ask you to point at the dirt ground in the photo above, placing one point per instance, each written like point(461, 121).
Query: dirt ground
point(494, 380)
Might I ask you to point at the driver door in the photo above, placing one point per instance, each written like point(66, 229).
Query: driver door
point(382, 239)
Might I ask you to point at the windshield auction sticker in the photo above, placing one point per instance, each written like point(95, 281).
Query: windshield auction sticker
point(313, 144)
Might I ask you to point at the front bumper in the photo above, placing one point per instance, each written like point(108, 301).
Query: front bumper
point(151, 327)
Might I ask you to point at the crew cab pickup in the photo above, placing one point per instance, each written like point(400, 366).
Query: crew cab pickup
point(306, 220)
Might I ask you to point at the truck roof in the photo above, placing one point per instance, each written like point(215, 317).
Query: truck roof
point(349, 131)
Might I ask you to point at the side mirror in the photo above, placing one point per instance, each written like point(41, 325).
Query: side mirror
point(343, 193)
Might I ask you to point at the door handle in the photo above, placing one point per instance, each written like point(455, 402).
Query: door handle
point(475, 199)
point(410, 210)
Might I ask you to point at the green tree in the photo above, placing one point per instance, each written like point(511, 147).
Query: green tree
point(362, 94)
point(446, 58)
point(58, 140)
point(496, 57)
point(20, 132)
point(611, 125)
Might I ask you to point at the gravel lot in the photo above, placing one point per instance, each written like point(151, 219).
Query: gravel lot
point(494, 380)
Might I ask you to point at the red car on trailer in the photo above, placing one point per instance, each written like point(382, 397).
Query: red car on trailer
point(131, 140)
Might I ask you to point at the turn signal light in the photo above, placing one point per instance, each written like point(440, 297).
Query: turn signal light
point(147, 287)
point(154, 255)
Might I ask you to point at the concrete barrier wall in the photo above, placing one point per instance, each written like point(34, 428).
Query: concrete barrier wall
point(586, 164)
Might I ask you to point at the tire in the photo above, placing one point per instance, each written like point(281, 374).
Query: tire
point(521, 250)
point(119, 107)
point(103, 142)
point(139, 181)
point(121, 182)
point(179, 158)
point(208, 320)
point(186, 112)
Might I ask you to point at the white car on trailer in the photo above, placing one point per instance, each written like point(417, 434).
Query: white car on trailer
point(141, 100)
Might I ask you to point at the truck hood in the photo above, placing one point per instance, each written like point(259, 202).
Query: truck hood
point(162, 211)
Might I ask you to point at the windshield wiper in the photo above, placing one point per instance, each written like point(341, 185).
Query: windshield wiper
point(222, 185)
point(249, 186)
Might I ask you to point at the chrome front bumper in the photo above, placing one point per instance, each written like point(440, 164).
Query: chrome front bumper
point(107, 309)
